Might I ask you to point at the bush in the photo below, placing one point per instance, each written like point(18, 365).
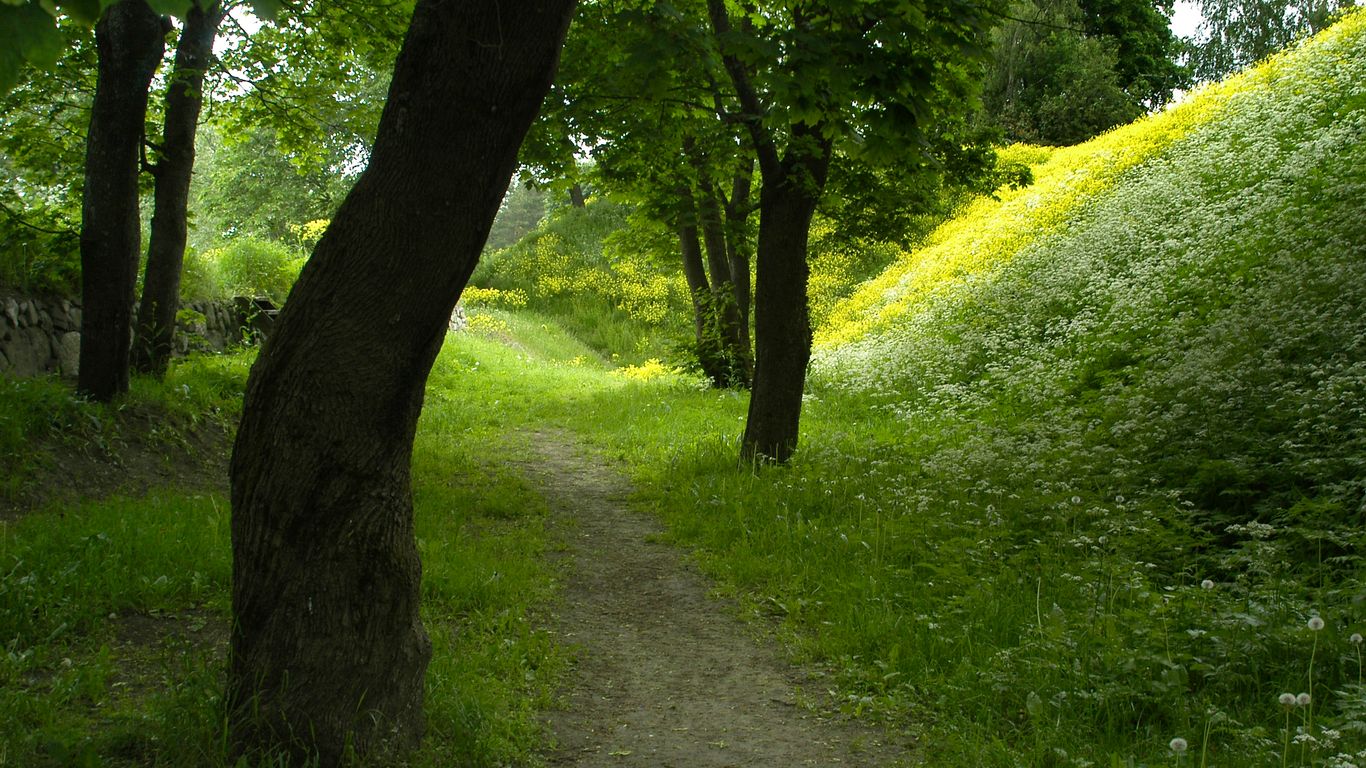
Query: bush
point(252, 267)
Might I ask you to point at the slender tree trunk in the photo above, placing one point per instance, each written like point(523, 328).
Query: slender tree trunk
point(782, 322)
point(166, 249)
point(734, 339)
point(130, 38)
point(695, 274)
point(328, 652)
point(737, 239)
point(576, 197)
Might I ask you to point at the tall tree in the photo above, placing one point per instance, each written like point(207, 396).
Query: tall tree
point(172, 171)
point(877, 75)
point(1234, 34)
point(1065, 70)
point(639, 88)
point(130, 38)
point(328, 650)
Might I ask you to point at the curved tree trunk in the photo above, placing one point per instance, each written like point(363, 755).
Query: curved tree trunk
point(130, 40)
point(328, 652)
point(166, 249)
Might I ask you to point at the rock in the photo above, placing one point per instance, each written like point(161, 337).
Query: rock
point(4, 363)
point(69, 354)
point(45, 320)
point(12, 312)
point(459, 321)
point(31, 307)
point(75, 318)
point(28, 352)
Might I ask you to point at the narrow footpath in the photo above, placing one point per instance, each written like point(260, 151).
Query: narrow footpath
point(667, 676)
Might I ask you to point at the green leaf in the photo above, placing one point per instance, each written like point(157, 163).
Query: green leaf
point(266, 10)
point(177, 8)
point(31, 33)
point(83, 11)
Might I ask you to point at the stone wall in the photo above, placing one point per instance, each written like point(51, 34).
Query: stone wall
point(42, 335)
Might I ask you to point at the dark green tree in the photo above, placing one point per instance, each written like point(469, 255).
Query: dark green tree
point(172, 171)
point(1237, 33)
point(1066, 70)
point(876, 77)
point(130, 39)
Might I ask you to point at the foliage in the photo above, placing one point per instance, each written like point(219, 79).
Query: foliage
point(596, 275)
point(246, 184)
point(42, 147)
point(1051, 83)
point(1236, 33)
point(252, 267)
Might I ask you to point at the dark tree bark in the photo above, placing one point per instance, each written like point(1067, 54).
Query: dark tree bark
point(782, 321)
point(328, 652)
point(130, 39)
point(737, 210)
point(166, 249)
point(734, 338)
point(695, 274)
point(576, 198)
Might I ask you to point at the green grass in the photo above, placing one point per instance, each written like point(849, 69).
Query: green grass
point(1079, 477)
point(71, 576)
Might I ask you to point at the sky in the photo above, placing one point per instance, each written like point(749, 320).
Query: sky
point(1186, 18)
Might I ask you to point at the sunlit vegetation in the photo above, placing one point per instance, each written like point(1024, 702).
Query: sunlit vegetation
point(1080, 480)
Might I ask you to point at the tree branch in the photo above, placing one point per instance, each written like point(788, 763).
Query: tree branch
point(744, 89)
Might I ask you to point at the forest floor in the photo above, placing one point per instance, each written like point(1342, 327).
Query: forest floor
point(666, 674)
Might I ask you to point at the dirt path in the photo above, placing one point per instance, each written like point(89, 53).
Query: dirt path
point(667, 676)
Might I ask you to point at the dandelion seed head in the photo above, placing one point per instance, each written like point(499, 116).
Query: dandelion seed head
point(1286, 699)
point(1304, 699)
point(1315, 623)
point(1207, 584)
point(1178, 745)
point(1076, 499)
point(1356, 638)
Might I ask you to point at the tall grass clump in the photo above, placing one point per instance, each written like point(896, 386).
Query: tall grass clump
point(1082, 476)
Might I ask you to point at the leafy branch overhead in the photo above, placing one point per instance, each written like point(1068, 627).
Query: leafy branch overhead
point(29, 33)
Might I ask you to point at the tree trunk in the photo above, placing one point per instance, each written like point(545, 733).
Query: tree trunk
point(328, 652)
point(166, 249)
point(734, 340)
point(130, 39)
point(737, 239)
point(782, 323)
point(576, 198)
point(695, 274)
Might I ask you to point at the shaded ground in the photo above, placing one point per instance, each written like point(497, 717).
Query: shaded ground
point(143, 455)
point(667, 675)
